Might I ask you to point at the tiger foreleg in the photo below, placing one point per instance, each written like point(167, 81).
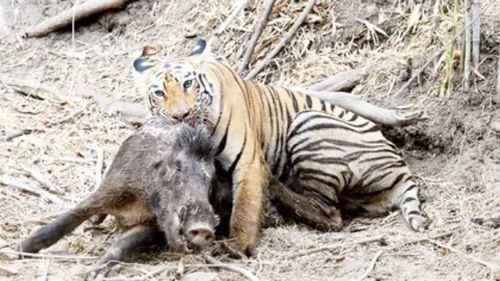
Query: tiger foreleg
point(249, 181)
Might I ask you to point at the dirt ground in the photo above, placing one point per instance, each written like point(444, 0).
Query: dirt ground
point(68, 86)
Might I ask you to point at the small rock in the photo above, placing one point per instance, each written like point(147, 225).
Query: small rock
point(201, 276)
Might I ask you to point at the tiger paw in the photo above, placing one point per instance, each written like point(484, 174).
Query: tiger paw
point(234, 250)
point(420, 223)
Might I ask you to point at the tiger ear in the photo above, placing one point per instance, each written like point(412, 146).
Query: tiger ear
point(201, 48)
point(149, 50)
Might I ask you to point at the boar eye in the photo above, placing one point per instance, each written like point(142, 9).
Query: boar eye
point(178, 166)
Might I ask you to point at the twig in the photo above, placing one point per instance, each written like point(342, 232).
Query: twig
point(490, 266)
point(476, 32)
point(334, 247)
point(76, 13)
point(298, 22)
point(13, 182)
point(35, 173)
point(30, 89)
point(341, 81)
point(54, 123)
point(259, 27)
point(247, 274)
point(47, 256)
point(232, 16)
point(467, 51)
point(371, 266)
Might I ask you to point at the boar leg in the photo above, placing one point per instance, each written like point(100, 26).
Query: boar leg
point(65, 223)
point(49, 234)
point(313, 212)
point(138, 239)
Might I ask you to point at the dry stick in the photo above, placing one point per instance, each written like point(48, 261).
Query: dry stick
point(371, 267)
point(16, 183)
point(231, 17)
point(258, 29)
point(491, 266)
point(341, 81)
point(247, 274)
point(57, 122)
point(334, 247)
point(29, 89)
point(35, 173)
point(76, 13)
point(298, 22)
point(467, 50)
point(476, 32)
point(47, 256)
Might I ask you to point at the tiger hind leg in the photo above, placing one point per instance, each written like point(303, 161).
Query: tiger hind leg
point(305, 207)
point(406, 198)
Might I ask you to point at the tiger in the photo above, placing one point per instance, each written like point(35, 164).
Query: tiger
point(250, 124)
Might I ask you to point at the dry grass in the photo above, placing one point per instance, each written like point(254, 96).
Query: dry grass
point(63, 74)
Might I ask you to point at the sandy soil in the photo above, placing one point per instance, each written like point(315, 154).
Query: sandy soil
point(77, 81)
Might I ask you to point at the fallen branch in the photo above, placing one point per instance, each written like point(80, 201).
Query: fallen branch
point(247, 274)
point(371, 266)
point(390, 117)
point(298, 22)
point(491, 266)
point(35, 173)
point(16, 183)
point(30, 89)
point(342, 81)
point(76, 13)
point(259, 27)
point(24, 132)
point(334, 247)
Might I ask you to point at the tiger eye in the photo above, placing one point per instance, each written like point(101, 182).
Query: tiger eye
point(159, 93)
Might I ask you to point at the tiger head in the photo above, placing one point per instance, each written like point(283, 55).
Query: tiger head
point(178, 89)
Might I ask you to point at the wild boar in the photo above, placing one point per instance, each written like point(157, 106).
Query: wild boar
point(158, 186)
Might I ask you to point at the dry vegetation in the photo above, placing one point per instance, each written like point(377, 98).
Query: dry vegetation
point(65, 89)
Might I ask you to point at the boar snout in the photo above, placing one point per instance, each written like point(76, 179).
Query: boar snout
point(200, 235)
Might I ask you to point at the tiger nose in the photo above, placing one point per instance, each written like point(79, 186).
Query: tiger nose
point(179, 116)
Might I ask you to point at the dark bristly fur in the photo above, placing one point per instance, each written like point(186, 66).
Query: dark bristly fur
point(158, 186)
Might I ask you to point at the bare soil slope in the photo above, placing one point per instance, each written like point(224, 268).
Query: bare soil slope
point(68, 86)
